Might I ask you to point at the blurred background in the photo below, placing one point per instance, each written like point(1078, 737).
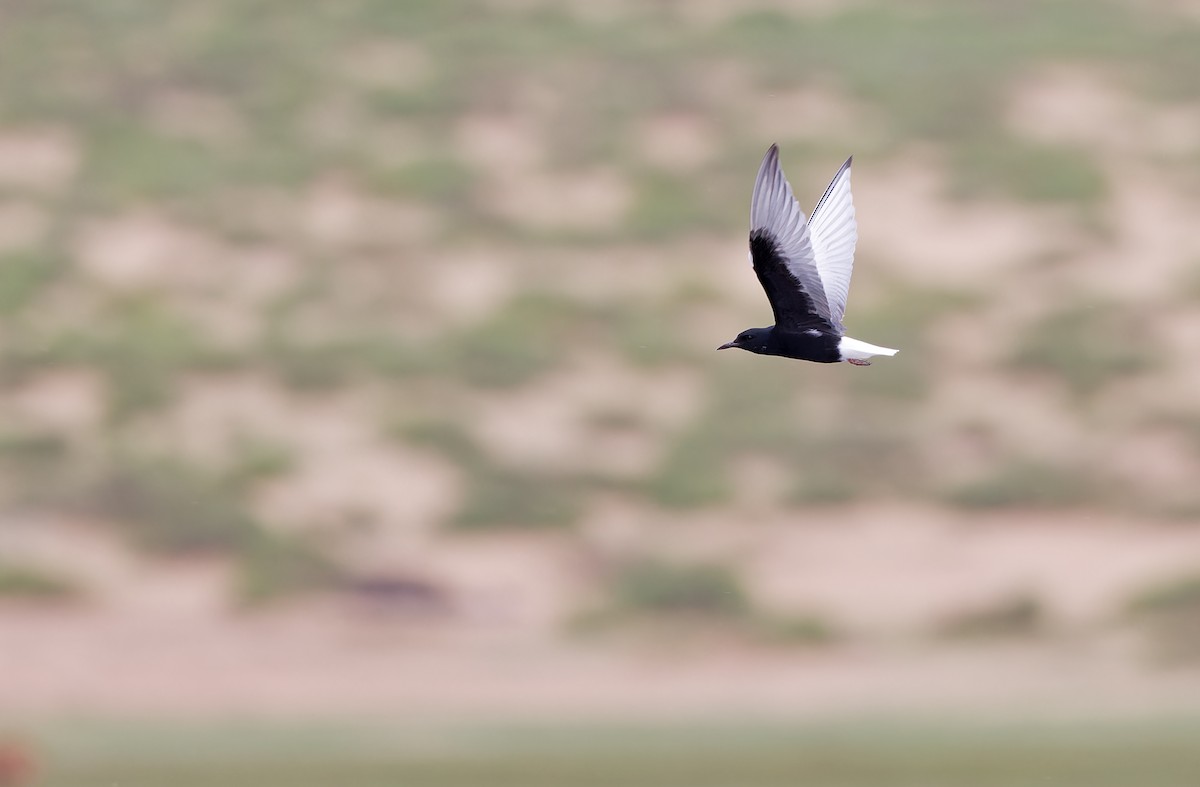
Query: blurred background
point(360, 420)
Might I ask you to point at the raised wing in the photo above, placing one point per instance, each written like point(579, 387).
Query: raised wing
point(782, 252)
point(833, 233)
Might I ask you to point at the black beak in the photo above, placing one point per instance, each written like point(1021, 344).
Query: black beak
point(727, 345)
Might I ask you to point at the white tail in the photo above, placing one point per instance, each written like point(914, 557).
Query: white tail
point(853, 349)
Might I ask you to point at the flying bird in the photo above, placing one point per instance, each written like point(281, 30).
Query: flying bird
point(804, 267)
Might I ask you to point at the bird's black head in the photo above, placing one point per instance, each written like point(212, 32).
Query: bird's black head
point(752, 339)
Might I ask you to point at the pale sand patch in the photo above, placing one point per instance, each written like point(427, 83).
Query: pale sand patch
point(1179, 329)
point(263, 273)
point(1072, 104)
point(86, 552)
point(1078, 106)
point(1156, 244)
point(626, 454)
point(365, 287)
point(212, 416)
point(501, 143)
point(594, 199)
point(1173, 130)
point(615, 527)
point(871, 570)
point(144, 250)
point(904, 569)
point(400, 497)
point(308, 661)
point(721, 78)
point(1162, 466)
point(113, 577)
point(470, 285)
point(1025, 416)
point(38, 158)
point(191, 114)
point(906, 223)
point(231, 314)
point(523, 584)
point(336, 120)
point(337, 215)
point(23, 225)
point(218, 287)
point(215, 414)
point(983, 336)
point(264, 214)
point(624, 273)
point(392, 143)
point(547, 425)
point(760, 484)
point(387, 64)
point(679, 142)
point(1189, 10)
point(816, 112)
point(727, 267)
point(197, 589)
point(345, 470)
point(68, 400)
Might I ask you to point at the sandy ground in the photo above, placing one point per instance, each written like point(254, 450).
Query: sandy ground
point(316, 663)
point(161, 639)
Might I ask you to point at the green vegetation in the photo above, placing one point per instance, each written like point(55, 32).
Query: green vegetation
point(666, 206)
point(271, 566)
point(1032, 173)
point(658, 597)
point(525, 339)
point(36, 584)
point(653, 586)
point(1169, 612)
point(903, 319)
point(1180, 593)
point(24, 277)
point(692, 474)
point(437, 180)
point(496, 495)
point(142, 348)
point(1028, 484)
point(793, 629)
point(646, 335)
point(172, 507)
point(1087, 346)
point(499, 496)
point(698, 754)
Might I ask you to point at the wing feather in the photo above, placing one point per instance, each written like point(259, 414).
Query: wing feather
point(833, 233)
point(782, 251)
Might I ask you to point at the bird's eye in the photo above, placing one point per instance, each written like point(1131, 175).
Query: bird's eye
point(745, 337)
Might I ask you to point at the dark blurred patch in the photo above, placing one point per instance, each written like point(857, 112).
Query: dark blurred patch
point(1020, 615)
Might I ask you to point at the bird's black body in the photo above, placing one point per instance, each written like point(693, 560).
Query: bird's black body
point(798, 331)
point(812, 344)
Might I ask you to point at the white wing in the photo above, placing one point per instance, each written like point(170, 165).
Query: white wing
point(775, 212)
point(834, 233)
